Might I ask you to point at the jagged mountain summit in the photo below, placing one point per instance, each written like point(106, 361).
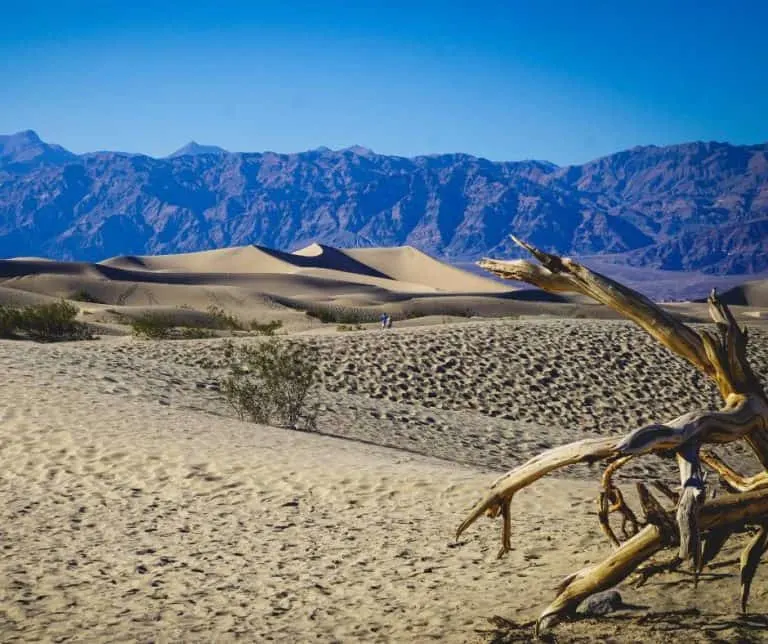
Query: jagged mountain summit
point(24, 151)
point(701, 206)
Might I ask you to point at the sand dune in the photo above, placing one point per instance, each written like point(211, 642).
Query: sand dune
point(308, 286)
point(17, 298)
point(240, 259)
point(10, 268)
point(398, 269)
point(754, 294)
point(410, 265)
point(256, 282)
point(127, 262)
point(320, 256)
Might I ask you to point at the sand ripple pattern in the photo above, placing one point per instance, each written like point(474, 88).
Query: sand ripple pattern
point(133, 507)
point(585, 375)
point(485, 393)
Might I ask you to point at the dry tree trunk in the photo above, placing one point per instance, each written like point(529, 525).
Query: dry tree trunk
point(744, 415)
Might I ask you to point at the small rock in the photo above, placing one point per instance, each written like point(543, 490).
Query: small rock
point(601, 603)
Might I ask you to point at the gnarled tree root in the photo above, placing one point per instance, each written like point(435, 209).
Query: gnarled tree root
point(723, 513)
point(610, 500)
point(499, 497)
point(698, 528)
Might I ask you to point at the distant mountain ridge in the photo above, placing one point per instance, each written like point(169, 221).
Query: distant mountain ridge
point(693, 206)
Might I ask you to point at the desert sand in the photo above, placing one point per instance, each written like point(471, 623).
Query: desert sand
point(136, 507)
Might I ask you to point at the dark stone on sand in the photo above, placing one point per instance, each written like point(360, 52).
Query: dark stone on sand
point(601, 603)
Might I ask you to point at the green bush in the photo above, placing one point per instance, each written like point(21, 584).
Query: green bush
point(44, 322)
point(81, 295)
point(269, 382)
point(349, 327)
point(154, 326)
point(8, 321)
point(224, 320)
point(162, 326)
point(454, 310)
point(267, 328)
point(342, 314)
point(195, 333)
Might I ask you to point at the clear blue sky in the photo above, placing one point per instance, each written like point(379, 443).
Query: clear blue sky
point(507, 80)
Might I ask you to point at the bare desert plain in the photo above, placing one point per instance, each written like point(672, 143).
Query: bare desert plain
point(136, 506)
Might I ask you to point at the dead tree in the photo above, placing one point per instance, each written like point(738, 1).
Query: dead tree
point(698, 528)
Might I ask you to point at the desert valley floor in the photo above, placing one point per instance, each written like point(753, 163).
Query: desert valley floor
point(137, 507)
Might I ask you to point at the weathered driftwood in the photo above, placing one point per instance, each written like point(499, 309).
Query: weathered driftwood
point(698, 528)
point(733, 510)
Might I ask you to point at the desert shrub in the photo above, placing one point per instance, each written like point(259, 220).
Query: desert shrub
point(349, 327)
point(342, 314)
point(194, 333)
point(44, 322)
point(8, 318)
point(320, 314)
point(270, 382)
point(224, 320)
point(81, 295)
point(267, 328)
point(153, 326)
point(162, 326)
point(453, 310)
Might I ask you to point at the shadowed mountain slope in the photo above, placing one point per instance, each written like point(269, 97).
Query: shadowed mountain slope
point(696, 206)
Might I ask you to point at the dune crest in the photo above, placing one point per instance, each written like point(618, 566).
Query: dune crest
point(245, 275)
point(752, 293)
point(407, 264)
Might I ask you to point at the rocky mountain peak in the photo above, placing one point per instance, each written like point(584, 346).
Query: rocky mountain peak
point(194, 148)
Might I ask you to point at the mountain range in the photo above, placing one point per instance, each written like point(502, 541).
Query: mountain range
point(694, 206)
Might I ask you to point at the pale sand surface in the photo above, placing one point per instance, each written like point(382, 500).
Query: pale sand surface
point(125, 518)
point(135, 509)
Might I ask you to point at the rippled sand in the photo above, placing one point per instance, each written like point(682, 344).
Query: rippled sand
point(136, 508)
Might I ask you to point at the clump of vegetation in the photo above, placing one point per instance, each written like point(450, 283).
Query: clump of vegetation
point(453, 310)
point(461, 311)
point(349, 327)
point(342, 314)
point(195, 333)
point(224, 320)
point(162, 326)
point(81, 295)
point(270, 382)
point(266, 328)
point(43, 322)
point(8, 317)
point(153, 326)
